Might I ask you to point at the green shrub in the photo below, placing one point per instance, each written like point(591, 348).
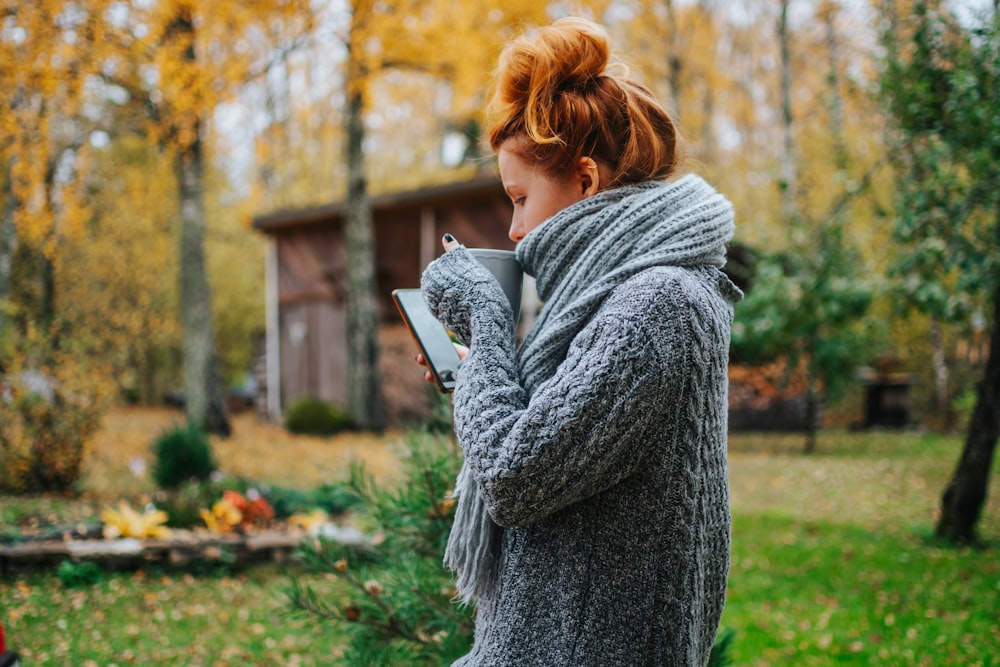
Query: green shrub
point(334, 498)
point(77, 575)
point(182, 453)
point(311, 416)
point(398, 588)
point(440, 419)
point(288, 501)
point(721, 655)
point(183, 503)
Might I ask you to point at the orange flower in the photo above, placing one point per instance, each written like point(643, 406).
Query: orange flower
point(255, 511)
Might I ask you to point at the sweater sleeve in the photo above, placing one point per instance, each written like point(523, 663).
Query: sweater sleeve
point(576, 436)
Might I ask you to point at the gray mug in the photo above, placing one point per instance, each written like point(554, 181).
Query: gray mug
point(504, 265)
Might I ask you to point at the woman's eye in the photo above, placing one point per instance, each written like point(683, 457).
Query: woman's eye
point(518, 201)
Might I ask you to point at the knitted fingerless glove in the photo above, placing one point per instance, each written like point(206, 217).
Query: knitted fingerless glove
point(466, 297)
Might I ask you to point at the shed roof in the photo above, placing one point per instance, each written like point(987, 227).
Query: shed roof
point(335, 211)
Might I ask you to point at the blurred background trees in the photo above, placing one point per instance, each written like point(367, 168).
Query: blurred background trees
point(856, 141)
point(948, 221)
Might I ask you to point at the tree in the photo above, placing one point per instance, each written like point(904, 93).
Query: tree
point(942, 88)
point(119, 279)
point(87, 202)
point(393, 600)
point(807, 302)
point(807, 308)
point(364, 394)
point(40, 89)
point(178, 63)
point(54, 390)
point(204, 403)
point(67, 52)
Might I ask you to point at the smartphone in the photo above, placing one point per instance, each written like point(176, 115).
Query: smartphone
point(431, 336)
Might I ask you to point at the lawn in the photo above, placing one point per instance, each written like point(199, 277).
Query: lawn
point(832, 559)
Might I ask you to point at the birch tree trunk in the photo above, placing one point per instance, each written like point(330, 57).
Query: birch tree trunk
point(8, 243)
point(790, 212)
point(364, 393)
point(673, 58)
point(836, 104)
point(204, 404)
point(939, 363)
point(789, 175)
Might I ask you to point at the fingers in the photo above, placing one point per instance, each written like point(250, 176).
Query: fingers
point(428, 375)
point(449, 243)
point(461, 349)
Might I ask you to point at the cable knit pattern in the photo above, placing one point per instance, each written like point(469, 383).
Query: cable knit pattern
point(599, 448)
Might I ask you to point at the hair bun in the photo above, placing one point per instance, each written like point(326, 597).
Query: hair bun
point(575, 51)
point(567, 54)
point(558, 94)
point(539, 66)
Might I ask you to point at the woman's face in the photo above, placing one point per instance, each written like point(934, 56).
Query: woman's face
point(536, 196)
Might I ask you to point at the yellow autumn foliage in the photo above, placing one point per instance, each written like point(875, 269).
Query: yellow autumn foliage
point(224, 517)
point(127, 522)
point(99, 96)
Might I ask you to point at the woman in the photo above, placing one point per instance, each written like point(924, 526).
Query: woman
point(592, 525)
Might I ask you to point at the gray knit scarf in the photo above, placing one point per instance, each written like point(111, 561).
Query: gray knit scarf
point(577, 257)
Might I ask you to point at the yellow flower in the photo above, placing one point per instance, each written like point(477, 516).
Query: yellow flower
point(126, 522)
point(309, 522)
point(223, 518)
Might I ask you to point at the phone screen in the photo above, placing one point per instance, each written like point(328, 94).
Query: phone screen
point(431, 336)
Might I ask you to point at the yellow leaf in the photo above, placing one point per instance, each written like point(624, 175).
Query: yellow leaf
point(223, 518)
point(126, 522)
point(309, 522)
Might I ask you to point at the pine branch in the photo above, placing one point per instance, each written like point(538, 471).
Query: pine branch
point(445, 609)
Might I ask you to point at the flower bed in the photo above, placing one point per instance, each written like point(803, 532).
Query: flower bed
point(238, 530)
point(180, 549)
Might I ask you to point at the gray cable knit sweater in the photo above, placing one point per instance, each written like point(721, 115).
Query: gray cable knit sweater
point(601, 449)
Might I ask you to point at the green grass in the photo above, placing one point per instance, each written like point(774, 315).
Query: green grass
point(833, 564)
point(148, 619)
point(815, 593)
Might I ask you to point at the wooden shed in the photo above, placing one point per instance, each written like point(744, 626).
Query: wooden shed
point(306, 350)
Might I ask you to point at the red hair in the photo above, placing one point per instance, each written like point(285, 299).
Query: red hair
point(554, 91)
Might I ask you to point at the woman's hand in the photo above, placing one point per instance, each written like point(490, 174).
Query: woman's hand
point(450, 243)
point(461, 349)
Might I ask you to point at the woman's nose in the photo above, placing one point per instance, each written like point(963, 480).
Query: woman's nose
point(516, 232)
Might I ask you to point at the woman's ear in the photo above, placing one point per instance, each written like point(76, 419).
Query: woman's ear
point(589, 176)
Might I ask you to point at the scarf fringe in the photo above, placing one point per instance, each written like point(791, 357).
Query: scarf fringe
point(474, 544)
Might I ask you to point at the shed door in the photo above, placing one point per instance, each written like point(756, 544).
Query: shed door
point(313, 351)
